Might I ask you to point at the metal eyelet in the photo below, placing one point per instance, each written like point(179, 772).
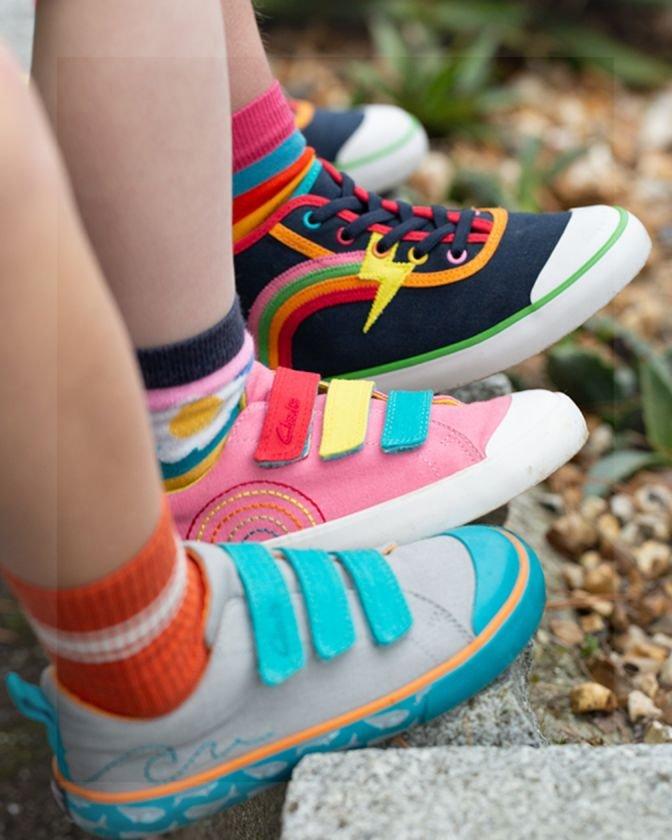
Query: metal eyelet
point(377, 251)
point(415, 258)
point(308, 220)
point(343, 237)
point(457, 259)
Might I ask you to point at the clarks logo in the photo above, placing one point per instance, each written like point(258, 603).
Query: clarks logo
point(285, 429)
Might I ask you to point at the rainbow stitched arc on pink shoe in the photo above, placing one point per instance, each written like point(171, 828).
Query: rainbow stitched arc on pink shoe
point(302, 430)
point(254, 511)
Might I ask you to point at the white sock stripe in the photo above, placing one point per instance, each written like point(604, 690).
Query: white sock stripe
point(127, 638)
point(231, 389)
point(171, 449)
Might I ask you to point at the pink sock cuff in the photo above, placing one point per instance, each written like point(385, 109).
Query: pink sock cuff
point(261, 126)
point(161, 399)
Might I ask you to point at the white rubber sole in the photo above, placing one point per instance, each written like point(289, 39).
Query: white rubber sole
point(383, 159)
point(541, 432)
point(599, 280)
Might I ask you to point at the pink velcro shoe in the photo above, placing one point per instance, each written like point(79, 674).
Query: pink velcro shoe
point(338, 465)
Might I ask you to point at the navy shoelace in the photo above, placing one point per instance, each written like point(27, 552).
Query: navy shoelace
point(371, 211)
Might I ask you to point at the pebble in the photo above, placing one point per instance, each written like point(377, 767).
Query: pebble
point(658, 733)
point(433, 178)
point(592, 697)
point(640, 706)
point(566, 631)
point(590, 559)
point(665, 675)
point(653, 526)
point(600, 441)
point(608, 529)
point(631, 534)
point(602, 581)
point(646, 683)
point(573, 575)
point(572, 534)
point(654, 498)
point(592, 507)
point(552, 502)
point(656, 130)
point(642, 664)
point(653, 558)
point(592, 623)
point(622, 507)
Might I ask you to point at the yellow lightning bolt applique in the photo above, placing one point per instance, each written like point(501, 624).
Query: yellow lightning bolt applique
point(390, 276)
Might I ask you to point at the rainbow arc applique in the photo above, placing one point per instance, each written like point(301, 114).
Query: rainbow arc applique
point(327, 278)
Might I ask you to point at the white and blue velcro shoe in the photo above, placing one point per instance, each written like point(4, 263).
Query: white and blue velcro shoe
point(310, 651)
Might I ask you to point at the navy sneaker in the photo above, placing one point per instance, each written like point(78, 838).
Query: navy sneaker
point(379, 146)
point(342, 282)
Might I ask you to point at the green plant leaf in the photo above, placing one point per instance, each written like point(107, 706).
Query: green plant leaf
point(475, 65)
point(456, 15)
point(625, 342)
point(601, 50)
point(656, 383)
point(562, 162)
point(592, 381)
point(389, 44)
point(616, 467)
point(473, 187)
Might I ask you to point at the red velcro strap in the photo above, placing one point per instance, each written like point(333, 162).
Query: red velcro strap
point(288, 415)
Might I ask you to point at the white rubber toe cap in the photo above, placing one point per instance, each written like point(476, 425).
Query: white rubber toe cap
point(608, 243)
point(546, 421)
point(386, 148)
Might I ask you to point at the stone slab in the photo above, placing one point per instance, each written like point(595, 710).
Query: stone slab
point(499, 716)
point(555, 793)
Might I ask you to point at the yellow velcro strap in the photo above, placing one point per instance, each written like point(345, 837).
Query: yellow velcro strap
point(346, 417)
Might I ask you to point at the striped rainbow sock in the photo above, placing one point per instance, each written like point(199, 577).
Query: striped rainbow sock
point(195, 393)
point(271, 161)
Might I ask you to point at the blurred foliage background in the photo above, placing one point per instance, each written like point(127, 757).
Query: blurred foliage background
point(533, 105)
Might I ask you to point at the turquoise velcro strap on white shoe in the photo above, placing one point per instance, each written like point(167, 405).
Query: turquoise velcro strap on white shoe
point(276, 632)
point(326, 601)
point(406, 420)
point(384, 604)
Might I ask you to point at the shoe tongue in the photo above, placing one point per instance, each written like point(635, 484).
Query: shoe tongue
point(325, 185)
point(259, 383)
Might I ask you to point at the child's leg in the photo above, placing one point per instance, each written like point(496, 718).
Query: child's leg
point(138, 93)
point(67, 367)
point(249, 70)
point(88, 545)
point(146, 138)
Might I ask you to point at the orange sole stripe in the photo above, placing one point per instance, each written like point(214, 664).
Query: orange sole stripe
point(322, 728)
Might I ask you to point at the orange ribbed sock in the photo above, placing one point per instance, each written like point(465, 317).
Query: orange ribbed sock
point(132, 642)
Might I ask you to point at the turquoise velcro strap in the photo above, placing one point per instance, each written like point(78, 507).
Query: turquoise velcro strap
point(326, 601)
point(406, 420)
point(383, 601)
point(276, 632)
